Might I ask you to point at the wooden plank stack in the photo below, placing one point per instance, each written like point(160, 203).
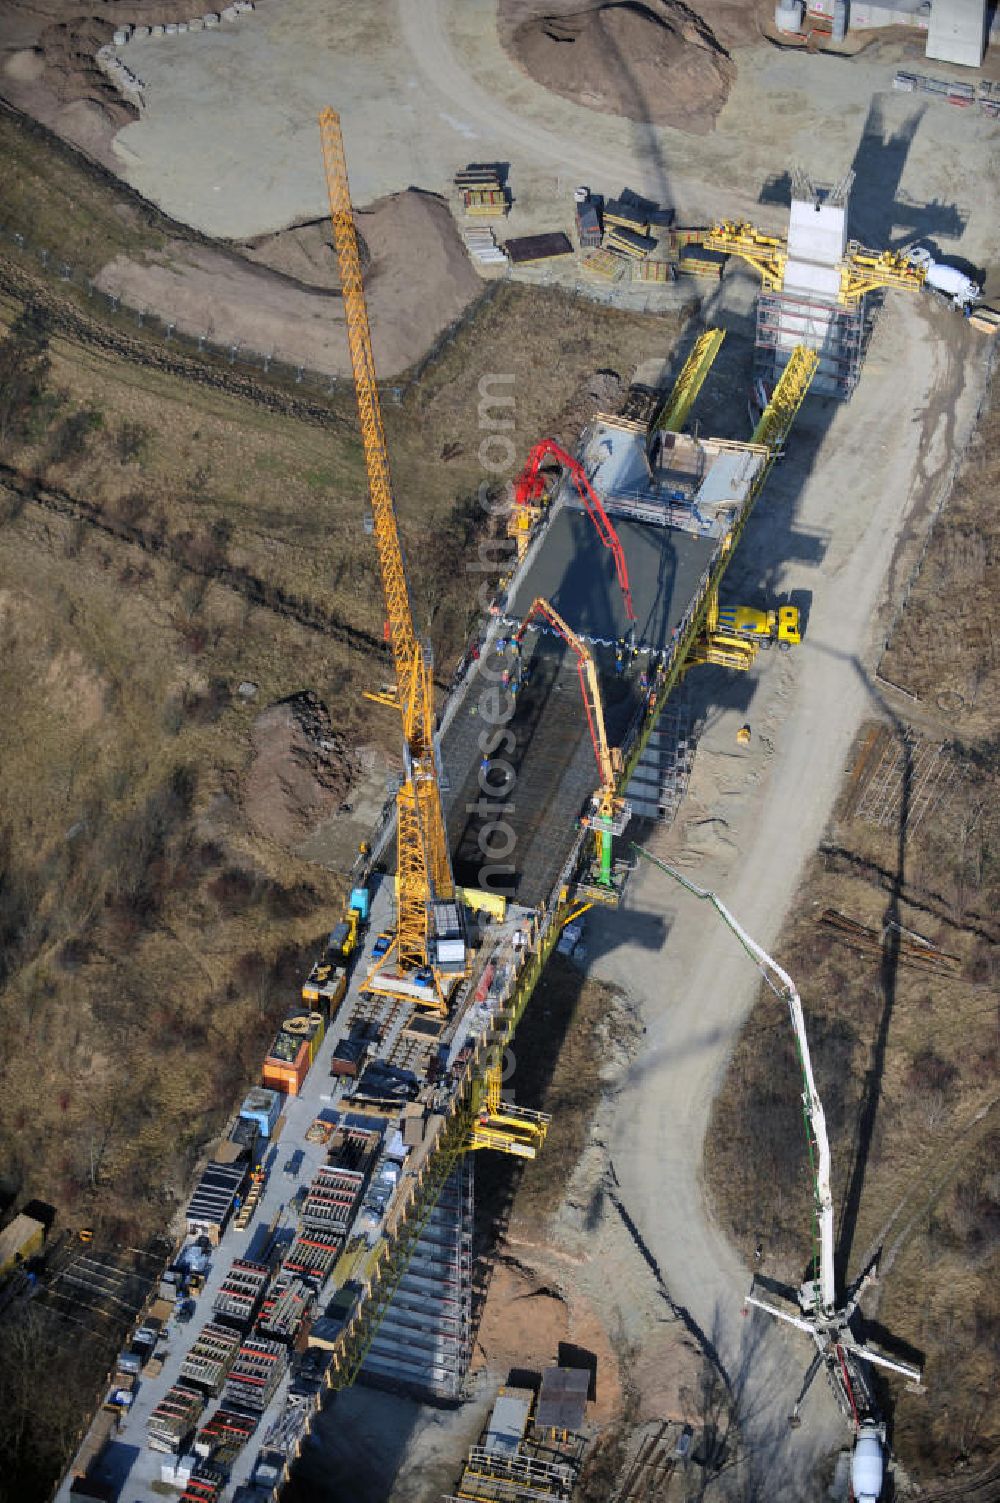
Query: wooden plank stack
point(483, 194)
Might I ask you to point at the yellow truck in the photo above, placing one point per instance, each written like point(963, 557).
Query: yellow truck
point(763, 627)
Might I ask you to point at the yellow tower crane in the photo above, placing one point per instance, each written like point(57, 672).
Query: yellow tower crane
point(423, 872)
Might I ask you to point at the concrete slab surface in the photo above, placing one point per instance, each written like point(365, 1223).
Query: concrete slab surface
point(575, 572)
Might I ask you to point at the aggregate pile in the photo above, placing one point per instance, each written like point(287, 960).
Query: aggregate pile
point(659, 63)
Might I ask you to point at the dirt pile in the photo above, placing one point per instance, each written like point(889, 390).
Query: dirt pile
point(301, 769)
point(418, 280)
point(533, 1317)
point(659, 63)
point(67, 52)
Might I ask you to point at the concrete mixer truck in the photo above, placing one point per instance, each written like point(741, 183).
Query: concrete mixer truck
point(950, 284)
point(867, 1463)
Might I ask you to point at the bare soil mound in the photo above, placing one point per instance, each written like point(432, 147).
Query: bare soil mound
point(657, 63)
point(418, 280)
point(301, 769)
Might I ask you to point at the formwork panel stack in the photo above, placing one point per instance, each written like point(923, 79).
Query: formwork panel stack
point(241, 1293)
point(285, 1308)
point(174, 1419)
point(333, 1200)
point(207, 1363)
point(255, 1375)
point(313, 1254)
point(222, 1438)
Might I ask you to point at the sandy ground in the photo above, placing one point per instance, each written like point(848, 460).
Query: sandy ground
point(658, 63)
point(295, 315)
point(426, 86)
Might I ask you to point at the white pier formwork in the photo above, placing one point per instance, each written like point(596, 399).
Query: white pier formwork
point(957, 32)
point(807, 310)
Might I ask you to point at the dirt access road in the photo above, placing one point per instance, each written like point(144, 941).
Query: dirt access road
point(753, 818)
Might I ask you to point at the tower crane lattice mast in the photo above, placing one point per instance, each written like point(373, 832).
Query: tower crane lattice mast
point(423, 862)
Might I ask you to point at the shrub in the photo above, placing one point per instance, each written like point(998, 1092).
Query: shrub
point(131, 441)
point(71, 437)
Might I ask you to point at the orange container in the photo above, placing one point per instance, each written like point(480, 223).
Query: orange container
point(287, 1065)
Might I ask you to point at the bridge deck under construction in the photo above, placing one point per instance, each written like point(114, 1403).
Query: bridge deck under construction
point(542, 775)
point(370, 1146)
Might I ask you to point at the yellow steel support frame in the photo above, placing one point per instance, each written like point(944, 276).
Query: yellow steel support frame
point(424, 864)
point(690, 381)
point(864, 270)
point(767, 254)
point(501, 1125)
point(708, 644)
point(789, 394)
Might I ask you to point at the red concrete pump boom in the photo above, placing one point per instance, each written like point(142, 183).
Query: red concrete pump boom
point(528, 489)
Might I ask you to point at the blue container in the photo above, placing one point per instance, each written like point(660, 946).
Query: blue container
point(262, 1106)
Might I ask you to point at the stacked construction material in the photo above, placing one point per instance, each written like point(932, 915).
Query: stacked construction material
point(205, 1485)
point(241, 1292)
point(678, 240)
point(209, 1360)
point(482, 246)
point(285, 1435)
point(604, 264)
point(258, 1180)
point(255, 1375)
point(694, 262)
point(629, 242)
point(482, 191)
point(285, 1307)
point(332, 1200)
point(628, 213)
point(588, 224)
point(212, 1203)
point(222, 1438)
point(174, 1418)
point(654, 271)
point(312, 1255)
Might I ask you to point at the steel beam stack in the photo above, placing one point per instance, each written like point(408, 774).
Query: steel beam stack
point(255, 1375)
point(205, 1486)
point(241, 1293)
point(222, 1438)
point(312, 1255)
point(424, 1344)
point(286, 1306)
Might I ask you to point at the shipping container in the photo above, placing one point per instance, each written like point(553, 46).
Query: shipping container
point(263, 1107)
point(287, 1063)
